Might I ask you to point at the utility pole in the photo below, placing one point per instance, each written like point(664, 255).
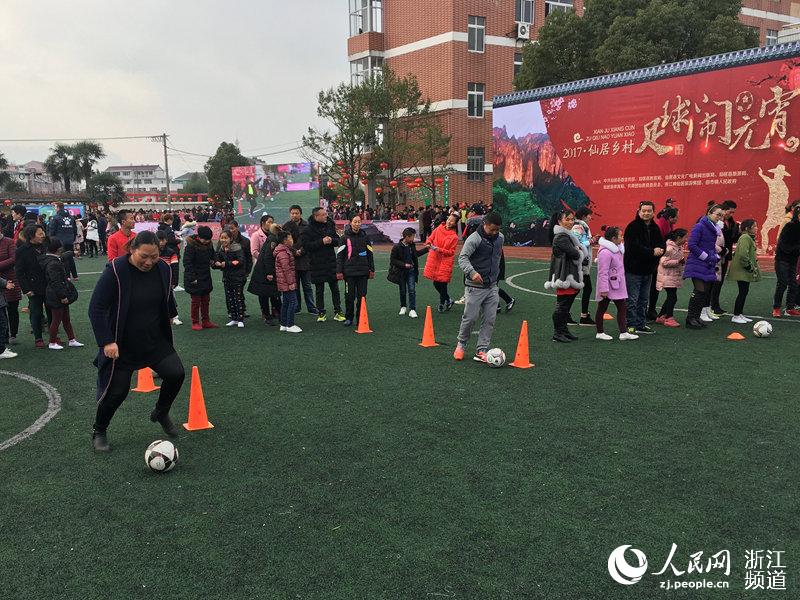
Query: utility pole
point(166, 171)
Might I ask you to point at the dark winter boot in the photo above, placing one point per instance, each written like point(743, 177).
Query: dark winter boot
point(100, 441)
point(696, 301)
point(166, 423)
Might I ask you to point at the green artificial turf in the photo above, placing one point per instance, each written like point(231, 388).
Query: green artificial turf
point(364, 466)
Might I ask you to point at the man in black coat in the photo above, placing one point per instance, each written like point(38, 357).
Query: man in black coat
point(320, 241)
point(296, 226)
point(644, 246)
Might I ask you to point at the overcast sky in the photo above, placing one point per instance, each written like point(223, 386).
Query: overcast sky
point(202, 71)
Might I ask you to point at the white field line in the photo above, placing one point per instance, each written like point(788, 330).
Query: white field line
point(53, 406)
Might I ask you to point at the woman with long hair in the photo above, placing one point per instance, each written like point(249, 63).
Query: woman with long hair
point(702, 264)
point(439, 266)
point(566, 271)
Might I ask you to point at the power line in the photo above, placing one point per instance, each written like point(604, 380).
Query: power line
point(61, 139)
point(273, 146)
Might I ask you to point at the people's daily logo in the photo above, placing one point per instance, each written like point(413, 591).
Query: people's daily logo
point(621, 570)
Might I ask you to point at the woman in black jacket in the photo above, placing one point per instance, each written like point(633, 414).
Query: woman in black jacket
point(262, 282)
point(787, 253)
point(230, 259)
point(355, 264)
point(197, 259)
point(30, 275)
point(59, 293)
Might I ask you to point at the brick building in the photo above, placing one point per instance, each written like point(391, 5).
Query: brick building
point(465, 52)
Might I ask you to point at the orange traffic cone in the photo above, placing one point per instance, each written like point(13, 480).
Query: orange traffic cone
point(428, 337)
point(363, 319)
point(522, 360)
point(735, 336)
point(197, 405)
point(144, 381)
point(607, 317)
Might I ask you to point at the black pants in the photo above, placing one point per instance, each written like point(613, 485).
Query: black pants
point(587, 294)
point(333, 284)
point(13, 318)
point(668, 308)
point(441, 287)
point(36, 314)
point(744, 288)
point(787, 280)
point(3, 329)
point(561, 314)
point(234, 300)
point(717, 288)
point(170, 369)
point(504, 295)
point(652, 305)
point(265, 301)
point(699, 298)
point(91, 247)
point(355, 288)
point(102, 244)
point(69, 265)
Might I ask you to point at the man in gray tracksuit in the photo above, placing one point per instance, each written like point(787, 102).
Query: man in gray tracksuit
point(480, 261)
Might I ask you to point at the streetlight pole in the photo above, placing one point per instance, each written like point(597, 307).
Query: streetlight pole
point(166, 171)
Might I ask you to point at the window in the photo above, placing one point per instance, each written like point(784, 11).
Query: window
point(517, 63)
point(551, 6)
point(475, 100)
point(476, 33)
point(524, 12)
point(369, 66)
point(475, 163)
point(126, 173)
point(147, 181)
point(772, 37)
point(365, 15)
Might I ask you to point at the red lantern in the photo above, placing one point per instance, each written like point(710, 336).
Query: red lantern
point(439, 181)
point(418, 180)
point(331, 185)
point(343, 181)
point(393, 183)
point(363, 173)
point(7, 202)
point(340, 163)
point(384, 166)
point(378, 190)
point(365, 181)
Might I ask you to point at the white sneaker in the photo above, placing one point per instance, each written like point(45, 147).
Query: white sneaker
point(627, 336)
point(55, 346)
point(461, 300)
point(231, 323)
point(412, 314)
point(283, 328)
point(294, 329)
point(177, 321)
point(739, 319)
point(402, 311)
point(178, 288)
point(603, 336)
point(704, 316)
point(7, 353)
point(73, 343)
point(240, 324)
point(746, 319)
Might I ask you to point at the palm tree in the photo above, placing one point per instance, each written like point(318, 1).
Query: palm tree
point(87, 153)
point(62, 165)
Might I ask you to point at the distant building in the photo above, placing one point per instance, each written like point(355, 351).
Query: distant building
point(140, 178)
point(33, 176)
point(178, 183)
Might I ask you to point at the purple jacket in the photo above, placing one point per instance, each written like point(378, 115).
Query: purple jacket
point(702, 260)
point(611, 271)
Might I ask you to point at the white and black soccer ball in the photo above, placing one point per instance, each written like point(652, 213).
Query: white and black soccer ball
point(161, 456)
point(762, 329)
point(496, 357)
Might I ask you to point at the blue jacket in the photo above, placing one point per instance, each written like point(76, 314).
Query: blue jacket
point(62, 226)
point(701, 263)
point(108, 312)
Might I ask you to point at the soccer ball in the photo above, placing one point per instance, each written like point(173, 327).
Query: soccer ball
point(161, 456)
point(762, 329)
point(496, 357)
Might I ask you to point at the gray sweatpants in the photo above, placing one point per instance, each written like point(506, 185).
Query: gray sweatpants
point(475, 301)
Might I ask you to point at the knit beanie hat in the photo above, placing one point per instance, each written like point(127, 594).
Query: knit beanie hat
point(204, 232)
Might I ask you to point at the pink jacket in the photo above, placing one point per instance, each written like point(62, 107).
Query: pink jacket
point(611, 271)
point(284, 268)
point(670, 267)
point(257, 239)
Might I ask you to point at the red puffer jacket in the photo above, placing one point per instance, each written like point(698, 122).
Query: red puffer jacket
point(439, 266)
point(284, 268)
point(8, 256)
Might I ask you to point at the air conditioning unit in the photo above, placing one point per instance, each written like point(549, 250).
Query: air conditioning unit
point(523, 31)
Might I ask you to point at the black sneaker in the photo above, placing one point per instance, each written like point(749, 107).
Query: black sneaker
point(644, 329)
point(166, 423)
point(651, 316)
point(571, 336)
point(441, 308)
point(100, 441)
point(560, 337)
point(694, 324)
point(450, 304)
point(570, 320)
point(587, 321)
point(511, 304)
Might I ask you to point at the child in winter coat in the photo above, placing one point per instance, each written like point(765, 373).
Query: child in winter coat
point(197, 260)
point(5, 352)
point(355, 264)
point(169, 255)
point(611, 285)
point(566, 272)
point(286, 276)
point(744, 268)
point(59, 294)
point(404, 270)
point(670, 276)
point(262, 282)
point(230, 260)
